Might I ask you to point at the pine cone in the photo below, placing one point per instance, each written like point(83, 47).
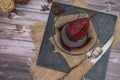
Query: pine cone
point(6, 5)
point(21, 1)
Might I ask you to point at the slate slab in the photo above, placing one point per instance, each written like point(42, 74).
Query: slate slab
point(106, 25)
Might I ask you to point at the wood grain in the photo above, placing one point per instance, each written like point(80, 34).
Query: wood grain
point(13, 47)
point(8, 31)
point(15, 59)
point(11, 75)
point(16, 47)
point(108, 6)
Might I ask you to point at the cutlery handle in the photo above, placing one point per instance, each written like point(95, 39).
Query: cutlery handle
point(78, 72)
point(86, 66)
point(96, 53)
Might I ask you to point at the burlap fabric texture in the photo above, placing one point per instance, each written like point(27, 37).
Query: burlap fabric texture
point(6, 5)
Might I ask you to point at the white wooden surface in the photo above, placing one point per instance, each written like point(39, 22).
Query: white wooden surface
point(16, 46)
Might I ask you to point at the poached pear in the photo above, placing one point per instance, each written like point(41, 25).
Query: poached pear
point(77, 29)
point(72, 44)
point(74, 34)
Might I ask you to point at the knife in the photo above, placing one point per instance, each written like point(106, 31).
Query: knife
point(96, 55)
point(99, 52)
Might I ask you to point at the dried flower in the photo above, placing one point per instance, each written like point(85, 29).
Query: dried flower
point(12, 15)
point(18, 28)
point(44, 8)
point(58, 9)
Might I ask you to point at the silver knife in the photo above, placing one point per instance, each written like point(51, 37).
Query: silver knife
point(102, 50)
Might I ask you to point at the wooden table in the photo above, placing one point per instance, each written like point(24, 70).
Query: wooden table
point(17, 48)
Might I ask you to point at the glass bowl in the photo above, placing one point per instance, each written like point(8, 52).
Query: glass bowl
point(67, 17)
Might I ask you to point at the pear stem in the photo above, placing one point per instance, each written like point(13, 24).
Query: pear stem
point(91, 16)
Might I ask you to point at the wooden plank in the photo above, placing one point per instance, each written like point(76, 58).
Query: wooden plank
point(20, 48)
point(115, 53)
point(105, 9)
point(14, 63)
point(33, 4)
point(113, 69)
point(32, 10)
point(111, 10)
point(26, 18)
point(33, 16)
point(8, 31)
point(96, 1)
point(114, 62)
point(115, 8)
point(14, 66)
point(12, 58)
point(112, 7)
point(17, 21)
point(9, 75)
point(97, 7)
point(103, 2)
point(112, 78)
point(36, 4)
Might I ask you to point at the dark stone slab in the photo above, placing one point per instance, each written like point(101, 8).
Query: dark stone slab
point(106, 25)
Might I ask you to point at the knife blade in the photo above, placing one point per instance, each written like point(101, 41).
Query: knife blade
point(104, 49)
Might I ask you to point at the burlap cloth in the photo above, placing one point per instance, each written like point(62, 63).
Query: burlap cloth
point(40, 73)
point(6, 5)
